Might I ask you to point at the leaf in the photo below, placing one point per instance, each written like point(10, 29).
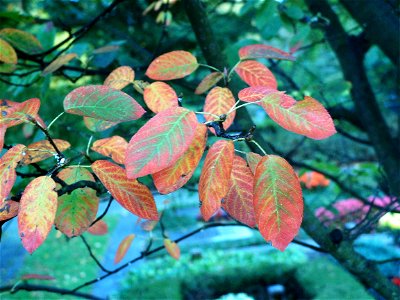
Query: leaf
point(78, 209)
point(58, 63)
point(215, 177)
point(42, 150)
point(238, 202)
point(172, 248)
point(8, 209)
point(174, 177)
point(263, 51)
point(7, 53)
point(160, 142)
point(252, 160)
point(102, 102)
point(7, 68)
point(14, 113)
point(37, 211)
point(123, 248)
point(8, 163)
point(113, 147)
point(3, 129)
point(208, 81)
point(172, 65)
point(98, 228)
point(278, 201)
point(256, 74)
point(314, 179)
point(97, 125)
point(37, 276)
point(160, 96)
point(218, 102)
point(21, 40)
point(120, 77)
point(257, 93)
point(148, 225)
point(131, 194)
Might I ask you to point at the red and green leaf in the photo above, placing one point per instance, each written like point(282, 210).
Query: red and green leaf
point(238, 202)
point(8, 163)
point(208, 82)
point(160, 96)
point(263, 51)
point(174, 177)
point(21, 40)
point(172, 65)
point(131, 194)
point(14, 113)
point(7, 53)
point(37, 211)
point(172, 248)
point(160, 142)
point(3, 129)
point(97, 125)
point(123, 248)
point(257, 93)
point(98, 228)
point(113, 147)
point(42, 150)
point(215, 177)
point(256, 74)
point(120, 77)
point(252, 160)
point(8, 209)
point(102, 102)
point(58, 63)
point(278, 201)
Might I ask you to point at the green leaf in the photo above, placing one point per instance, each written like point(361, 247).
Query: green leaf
point(21, 40)
point(7, 53)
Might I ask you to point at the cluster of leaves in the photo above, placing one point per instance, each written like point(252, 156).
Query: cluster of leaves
point(262, 191)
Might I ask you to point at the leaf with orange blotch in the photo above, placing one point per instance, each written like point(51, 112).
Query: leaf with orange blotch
point(314, 179)
point(252, 160)
point(208, 82)
point(8, 163)
point(97, 125)
point(102, 102)
point(131, 194)
point(256, 74)
point(7, 53)
point(159, 96)
point(42, 150)
point(257, 93)
point(78, 209)
point(123, 248)
point(120, 77)
point(172, 248)
point(238, 202)
point(98, 228)
point(263, 51)
point(160, 142)
point(3, 129)
point(172, 65)
point(174, 177)
point(23, 41)
point(215, 177)
point(218, 102)
point(113, 147)
point(14, 113)
point(278, 201)
point(8, 209)
point(58, 63)
point(37, 211)
point(37, 276)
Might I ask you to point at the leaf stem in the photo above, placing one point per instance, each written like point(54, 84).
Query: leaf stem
point(259, 147)
point(233, 69)
point(210, 67)
point(88, 146)
point(54, 120)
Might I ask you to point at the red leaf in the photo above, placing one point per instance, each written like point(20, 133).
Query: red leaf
point(37, 276)
point(215, 177)
point(263, 51)
point(131, 194)
point(8, 163)
point(175, 176)
point(172, 248)
point(257, 93)
point(8, 209)
point(160, 96)
point(278, 201)
point(123, 248)
point(120, 77)
point(42, 150)
point(314, 179)
point(219, 101)
point(14, 113)
point(160, 142)
point(239, 200)
point(37, 211)
point(208, 81)
point(256, 74)
point(172, 65)
point(113, 147)
point(98, 228)
point(252, 160)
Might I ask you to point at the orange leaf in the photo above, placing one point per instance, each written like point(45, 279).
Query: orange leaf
point(42, 150)
point(208, 81)
point(8, 163)
point(239, 200)
point(278, 201)
point(97, 125)
point(98, 228)
point(159, 96)
point(252, 160)
point(172, 248)
point(256, 74)
point(14, 113)
point(37, 211)
point(263, 51)
point(172, 65)
point(8, 209)
point(175, 176)
point(314, 179)
point(131, 194)
point(219, 101)
point(113, 147)
point(58, 63)
point(215, 177)
point(123, 248)
point(120, 77)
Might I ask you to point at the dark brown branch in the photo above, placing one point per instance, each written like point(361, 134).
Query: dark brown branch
point(93, 256)
point(79, 184)
point(104, 212)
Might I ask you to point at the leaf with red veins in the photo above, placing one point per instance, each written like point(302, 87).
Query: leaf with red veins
point(256, 74)
point(113, 147)
point(159, 96)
